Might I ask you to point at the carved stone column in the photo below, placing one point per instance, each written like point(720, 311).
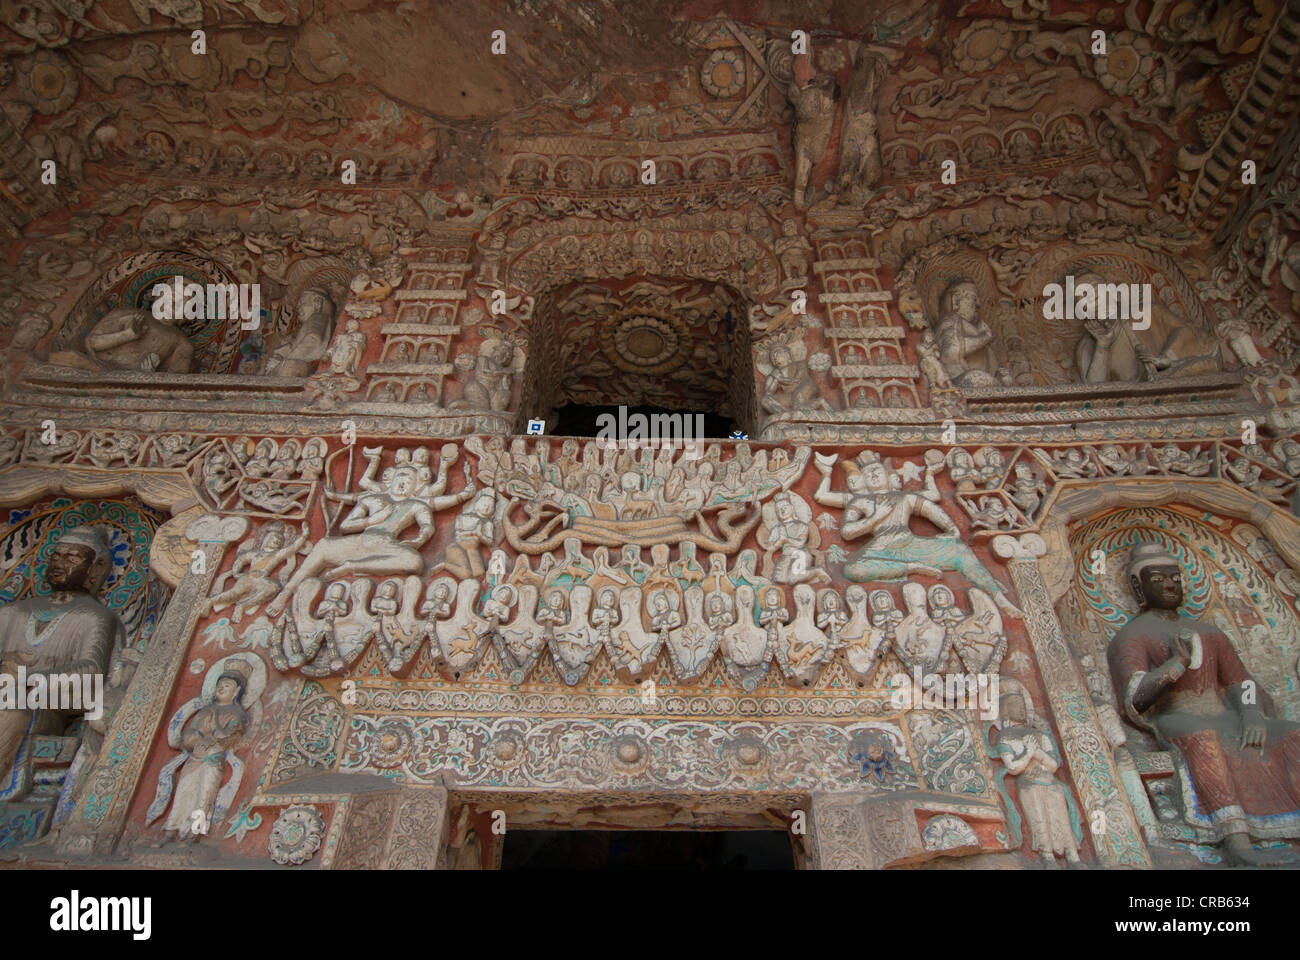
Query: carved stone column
point(851, 832)
point(364, 841)
point(837, 834)
point(1115, 836)
point(404, 829)
point(418, 840)
point(96, 822)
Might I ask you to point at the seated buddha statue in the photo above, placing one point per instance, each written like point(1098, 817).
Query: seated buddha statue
point(1182, 680)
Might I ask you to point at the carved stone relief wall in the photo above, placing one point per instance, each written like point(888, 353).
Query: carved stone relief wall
point(359, 602)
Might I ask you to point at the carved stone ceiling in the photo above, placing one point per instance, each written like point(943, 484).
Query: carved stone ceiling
point(415, 94)
point(421, 62)
point(659, 343)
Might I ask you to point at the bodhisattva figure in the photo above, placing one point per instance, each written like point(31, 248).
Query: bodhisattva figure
point(1026, 748)
point(492, 378)
point(66, 632)
point(130, 338)
point(789, 385)
point(346, 350)
point(370, 543)
point(788, 528)
point(256, 563)
point(876, 506)
point(472, 531)
point(814, 112)
point(964, 338)
point(1181, 678)
point(206, 730)
point(316, 315)
point(1111, 350)
point(930, 362)
point(795, 253)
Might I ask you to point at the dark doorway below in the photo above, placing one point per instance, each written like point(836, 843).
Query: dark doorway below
point(577, 420)
point(647, 850)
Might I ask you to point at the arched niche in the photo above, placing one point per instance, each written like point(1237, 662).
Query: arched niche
point(1076, 500)
point(166, 492)
point(1232, 577)
point(130, 283)
point(1230, 543)
point(1051, 343)
point(1239, 557)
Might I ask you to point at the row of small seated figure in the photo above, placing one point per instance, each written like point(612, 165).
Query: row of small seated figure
point(623, 481)
point(986, 467)
point(748, 623)
point(289, 459)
